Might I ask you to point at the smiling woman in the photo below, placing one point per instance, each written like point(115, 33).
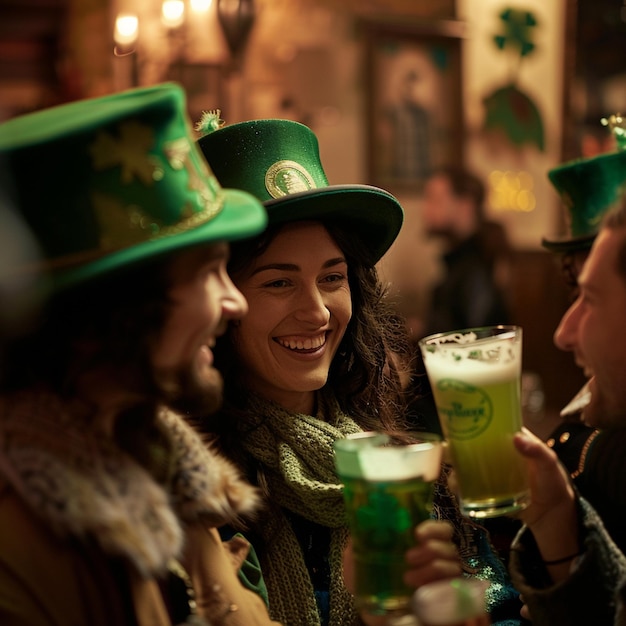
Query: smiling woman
point(310, 363)
point(319, 356)
point(300, 306)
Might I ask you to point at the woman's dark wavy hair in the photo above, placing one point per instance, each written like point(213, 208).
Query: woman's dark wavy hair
point(110, 322)
point(365, 373)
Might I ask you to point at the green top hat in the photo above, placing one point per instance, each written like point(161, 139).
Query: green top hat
point(106, 182)
point(588, 188)
point(278, 161)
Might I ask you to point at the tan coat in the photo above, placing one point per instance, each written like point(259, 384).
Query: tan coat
point(86, 532)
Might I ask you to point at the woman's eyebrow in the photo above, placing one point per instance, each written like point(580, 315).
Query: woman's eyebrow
point(287, 267)
point(336, 261)
point(293, 267)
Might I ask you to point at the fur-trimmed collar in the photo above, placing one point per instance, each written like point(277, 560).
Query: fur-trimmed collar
point(85, 485)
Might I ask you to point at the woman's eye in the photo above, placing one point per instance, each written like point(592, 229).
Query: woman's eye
point(333, 278)
point(279, 282)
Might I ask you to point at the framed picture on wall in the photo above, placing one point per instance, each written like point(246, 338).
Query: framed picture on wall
point(414, 100)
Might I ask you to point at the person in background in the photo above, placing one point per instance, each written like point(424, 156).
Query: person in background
point(476, 262)
point(320, 355)
point(109, 501)
point(564, 562)
point(593, 457)
point(476, 254)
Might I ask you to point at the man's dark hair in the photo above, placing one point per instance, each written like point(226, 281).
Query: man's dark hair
point(615, 219)
point(110, 323)
point(464, 184)
point(570, 263)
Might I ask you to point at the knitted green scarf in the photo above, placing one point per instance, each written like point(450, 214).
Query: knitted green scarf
point(296, 453)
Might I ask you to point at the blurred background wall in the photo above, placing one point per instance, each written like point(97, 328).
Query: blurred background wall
point(511, 87)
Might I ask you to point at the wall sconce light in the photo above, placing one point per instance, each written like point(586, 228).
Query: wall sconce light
point(200, 6)
point(236, 18)
point(182, 40)
point(173, 13)
point(126, 33)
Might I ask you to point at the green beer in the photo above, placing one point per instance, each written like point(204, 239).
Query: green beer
point(492, 473)
point(388, 489)
point(475, 379)
point(382, 517)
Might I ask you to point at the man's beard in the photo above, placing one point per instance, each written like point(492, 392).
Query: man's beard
point(189, 392)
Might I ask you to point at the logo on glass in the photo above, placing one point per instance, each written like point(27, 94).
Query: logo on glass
point(467, 409)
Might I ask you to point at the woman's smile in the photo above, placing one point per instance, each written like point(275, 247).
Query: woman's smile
point(302, 344)
point(299, 308)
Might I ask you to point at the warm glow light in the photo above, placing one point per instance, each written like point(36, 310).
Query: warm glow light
point(173, 13)
point(512, 191)
point(126, 29)
point(201, 6)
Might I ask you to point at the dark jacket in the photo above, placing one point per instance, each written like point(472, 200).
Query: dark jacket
point(594, 593)
point(597, 464)
point(468, 296)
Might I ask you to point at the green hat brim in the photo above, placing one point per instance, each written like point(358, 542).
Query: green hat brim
point(372, 213)
point(107, 182)
point(588, 187)
point(241, 216)
point(575, 244)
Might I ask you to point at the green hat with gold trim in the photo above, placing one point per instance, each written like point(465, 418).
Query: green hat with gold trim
point(107, 182)
point(588, 188)
point(278, 161)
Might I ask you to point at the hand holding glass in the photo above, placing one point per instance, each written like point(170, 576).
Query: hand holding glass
point(388, 490)
point(475, 379)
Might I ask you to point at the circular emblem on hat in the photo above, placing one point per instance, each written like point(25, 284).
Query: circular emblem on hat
point(287, 177)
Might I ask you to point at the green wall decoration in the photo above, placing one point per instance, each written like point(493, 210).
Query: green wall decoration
point(507, 108)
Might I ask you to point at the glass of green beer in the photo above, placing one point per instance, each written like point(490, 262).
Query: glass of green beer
point(388, 484)
point(475, 379)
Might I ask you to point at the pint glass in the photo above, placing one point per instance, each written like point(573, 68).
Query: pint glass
point(475, 379)
point(388, 490)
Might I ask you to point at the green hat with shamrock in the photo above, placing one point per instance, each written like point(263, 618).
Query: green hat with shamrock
point(107, 182)
point(278, 161)
point(588, 188)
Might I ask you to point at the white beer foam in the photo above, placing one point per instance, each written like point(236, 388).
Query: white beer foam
point(473, 371)
point(394, 463)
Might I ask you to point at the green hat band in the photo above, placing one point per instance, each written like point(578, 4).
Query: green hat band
point(278, 161)
point(100, 177)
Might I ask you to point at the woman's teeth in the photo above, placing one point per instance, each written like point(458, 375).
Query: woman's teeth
point(299, 343)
